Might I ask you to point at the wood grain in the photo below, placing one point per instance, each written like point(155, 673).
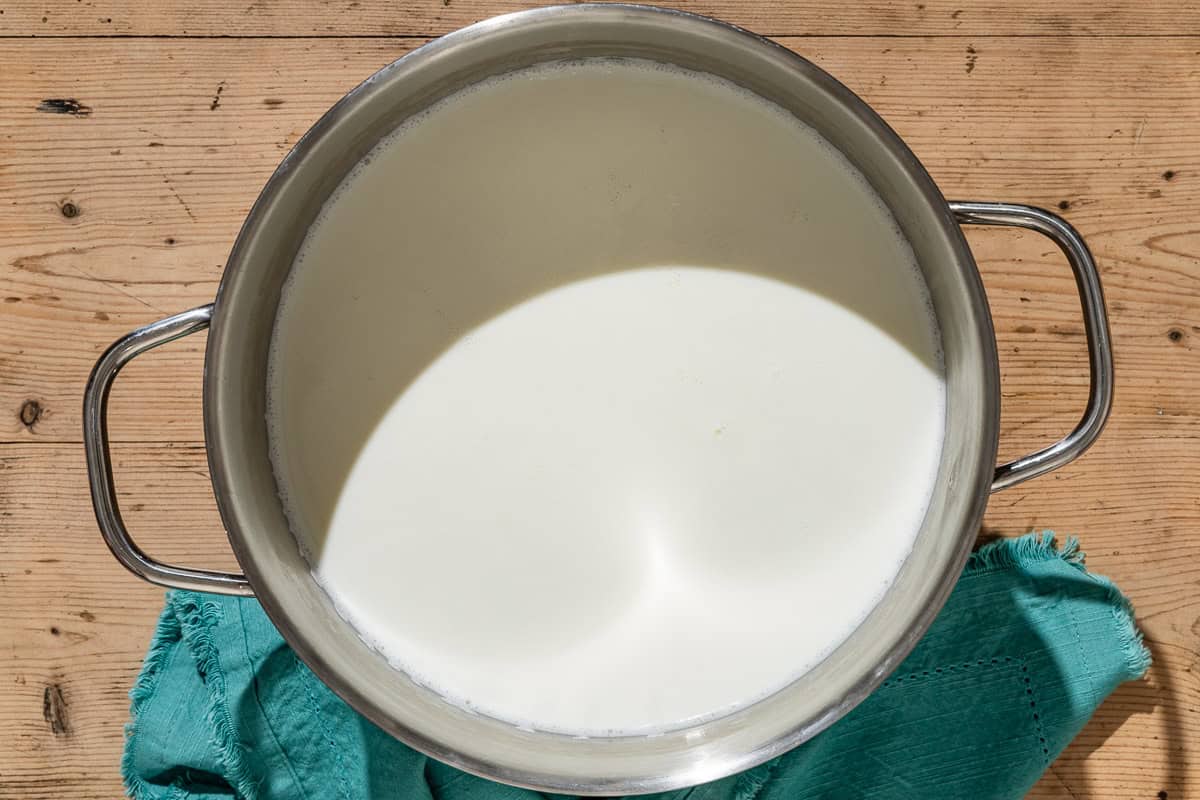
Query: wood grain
point(123, 212)
point(435, 17)
point(75, 623)
point(159, 183)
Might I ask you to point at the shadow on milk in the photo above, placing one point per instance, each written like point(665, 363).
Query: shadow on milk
point(735, 273)
point(571, 370)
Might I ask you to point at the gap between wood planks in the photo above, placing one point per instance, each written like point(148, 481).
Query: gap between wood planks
point(434, 35)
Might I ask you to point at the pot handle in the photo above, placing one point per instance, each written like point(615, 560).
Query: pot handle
point(99, 461)
point(1095, 325)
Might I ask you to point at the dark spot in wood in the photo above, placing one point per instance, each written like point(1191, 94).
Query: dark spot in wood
point(87, 616)
point(11, 299)
point(1162, 794)
point(1026, 329)
point(67, 105)
point(273, 102)
point(169, 240)
point(137, 506)
point(1154, 193)
point(115, 152)
point(920, 6)
point(1024, 299)
point(956, 13)
point(44, 19)
point(1169, 175)
point(972, 57)
point(1175, 335)
point(31, 412)
point(1064, 205)
point(155, 144)
point(216, 101)
point(100, 315)
point(108, 19)
point(69, 210)
point(54, 710)
point(54, 631)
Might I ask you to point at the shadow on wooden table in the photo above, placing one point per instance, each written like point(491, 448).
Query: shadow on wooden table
point(1071, 769)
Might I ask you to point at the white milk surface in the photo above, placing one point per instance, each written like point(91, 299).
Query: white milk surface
point(605, 397)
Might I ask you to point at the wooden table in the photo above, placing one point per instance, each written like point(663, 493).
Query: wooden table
point(134, 137)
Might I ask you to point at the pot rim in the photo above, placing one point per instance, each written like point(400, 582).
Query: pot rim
point(221, 450)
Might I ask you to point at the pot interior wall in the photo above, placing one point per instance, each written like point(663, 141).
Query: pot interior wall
point(235, 403)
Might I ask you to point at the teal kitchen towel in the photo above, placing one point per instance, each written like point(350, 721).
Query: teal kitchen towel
point(1027, 647)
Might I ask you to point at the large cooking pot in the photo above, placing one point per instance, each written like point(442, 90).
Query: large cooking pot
point(241, 322)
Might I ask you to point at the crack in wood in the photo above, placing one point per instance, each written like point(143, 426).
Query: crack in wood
point(54, 710)
point(64, 105)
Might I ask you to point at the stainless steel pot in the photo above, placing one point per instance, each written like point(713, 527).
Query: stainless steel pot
point(234, 400)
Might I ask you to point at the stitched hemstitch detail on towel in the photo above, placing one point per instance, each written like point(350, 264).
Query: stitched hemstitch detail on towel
point(1026, 683)
point(325, 732)
point(1087, 667)
point(1037, 720)
point(254, 687)
point(933, 673)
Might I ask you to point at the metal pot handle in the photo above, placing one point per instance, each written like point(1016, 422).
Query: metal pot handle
point(1095, 325)
point(1062, 452)
point(99, 462)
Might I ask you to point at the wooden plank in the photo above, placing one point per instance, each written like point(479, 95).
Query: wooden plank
point(78, 624)
point(1111, 129)
point(158, 183)
point(435, 17)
